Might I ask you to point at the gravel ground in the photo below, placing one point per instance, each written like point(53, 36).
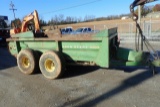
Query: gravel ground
point(79, 87)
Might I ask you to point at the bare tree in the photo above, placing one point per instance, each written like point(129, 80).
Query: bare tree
point(156, 8)
point(61, 18)
point(79, 19)
point(68, 19)
point(89, 18)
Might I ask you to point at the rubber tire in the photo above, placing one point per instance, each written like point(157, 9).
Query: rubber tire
point(28, 53)
point(58, 64)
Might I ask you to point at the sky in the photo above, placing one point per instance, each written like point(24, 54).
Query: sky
point(74, 8)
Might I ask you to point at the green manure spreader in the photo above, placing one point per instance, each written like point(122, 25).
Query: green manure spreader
point(53, 54)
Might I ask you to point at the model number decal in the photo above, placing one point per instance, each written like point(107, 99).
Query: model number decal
point(81, 47)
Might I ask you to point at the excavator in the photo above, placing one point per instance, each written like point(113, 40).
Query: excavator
point(27, 24)
point(31, 23)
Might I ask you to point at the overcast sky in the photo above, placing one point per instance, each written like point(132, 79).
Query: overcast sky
point(75, 8)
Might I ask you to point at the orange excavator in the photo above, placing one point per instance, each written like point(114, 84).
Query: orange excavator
point(26, 26)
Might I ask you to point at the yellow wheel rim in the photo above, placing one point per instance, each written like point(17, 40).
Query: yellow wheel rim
point(25, 62)
point(49, 65)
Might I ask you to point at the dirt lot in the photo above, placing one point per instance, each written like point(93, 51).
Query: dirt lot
point(79, 87)
point(99, 25)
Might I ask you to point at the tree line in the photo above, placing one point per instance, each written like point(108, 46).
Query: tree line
point(61, 19)
point(148, 9)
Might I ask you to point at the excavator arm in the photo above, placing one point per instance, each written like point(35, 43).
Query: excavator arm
point(140, 2)
point(26, 19)
point(136, 3)
point(33, 16)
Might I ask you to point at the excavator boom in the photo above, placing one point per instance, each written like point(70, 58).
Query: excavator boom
point(36, 21)
point(33, 16)
point(140, 2)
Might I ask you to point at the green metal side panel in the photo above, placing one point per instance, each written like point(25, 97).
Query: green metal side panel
point(91, 51)
point(102, 58)
point(103, 33)
point(107, 32)
point(80, 51)
point(129, 55)
point(28, 34)
point(38, 45)
point(14, 47)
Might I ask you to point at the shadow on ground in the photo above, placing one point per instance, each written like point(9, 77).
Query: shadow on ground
point(73, 71)
point(125, 85)
point(6, 59)
point(129, 69)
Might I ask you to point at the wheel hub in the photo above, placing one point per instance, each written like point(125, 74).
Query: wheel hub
point(49, 65)
point(25, 62)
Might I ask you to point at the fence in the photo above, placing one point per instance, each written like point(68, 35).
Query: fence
point(151, 29)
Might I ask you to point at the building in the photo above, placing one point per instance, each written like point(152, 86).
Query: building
point(125, 17)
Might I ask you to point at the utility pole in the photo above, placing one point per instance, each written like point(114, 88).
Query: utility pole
point(13, 9)
point(139, 14)
point(139, 21)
